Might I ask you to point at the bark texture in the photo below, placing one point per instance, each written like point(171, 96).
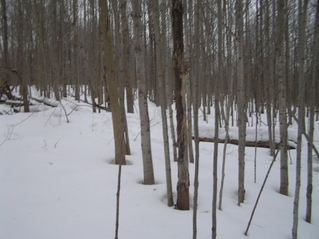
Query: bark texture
point(179, 76)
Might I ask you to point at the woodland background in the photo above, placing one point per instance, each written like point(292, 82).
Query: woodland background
point(244, 58)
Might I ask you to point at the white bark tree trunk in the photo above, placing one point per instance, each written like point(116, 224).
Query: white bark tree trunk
point(301, 110)
point(282, 97)
point(241, 104)
point(142, 95)
point(160, 78)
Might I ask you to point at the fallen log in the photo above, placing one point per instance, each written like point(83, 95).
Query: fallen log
point(12, 103)
point(261, 144)
point(46, 102)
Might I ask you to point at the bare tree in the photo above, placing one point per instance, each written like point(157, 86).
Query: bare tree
point(282, 97)
point(76, 50)
point(113, 84)
point(126, 57)
point(217, 115)
point(312, 96)
point(228, 102)
point(4, 32)
point(195, 69)
point(168, 71)
point(162, 97)
point(142, 95)
point(179, 76)
point(302, 10)
point(21, 53)
point(240, 103)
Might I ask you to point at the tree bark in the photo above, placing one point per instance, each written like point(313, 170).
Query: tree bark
point(217, 115)
point(312, 96)
point(179, 76)
point(76, 51)
point(4, 33)
point(126, 58)
point(142, 95)
point(113, 84)
point(301, 110)
point(160, 78)
point(241, 103)
point(194, 58)
point(284, 181)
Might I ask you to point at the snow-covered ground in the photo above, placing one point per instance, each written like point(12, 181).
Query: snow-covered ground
point(57, 181)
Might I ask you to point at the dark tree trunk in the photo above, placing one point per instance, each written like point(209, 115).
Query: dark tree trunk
point(179, 76)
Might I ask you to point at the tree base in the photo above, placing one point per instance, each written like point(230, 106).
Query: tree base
point(182, 197)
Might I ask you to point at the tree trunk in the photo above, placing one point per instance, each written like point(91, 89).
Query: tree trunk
point(76, 51)
point(160, 78)
point(282, 99)
point(142, 95)
point(312, 97)
point(179, 75)
point(194, 57)
point(113, 84)
point(217, 115)
point(121, 72)
point(301, 110)
point(4, 35)
point(126, 58)
point(241, 104)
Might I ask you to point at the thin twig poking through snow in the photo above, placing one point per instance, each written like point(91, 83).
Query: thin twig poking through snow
point(50, 116)
point(261, 189)
point(9, 133)
point(66, 115)
point(56, 143)
point(11, 127)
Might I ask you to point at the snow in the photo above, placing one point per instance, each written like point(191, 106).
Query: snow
point(57, 180)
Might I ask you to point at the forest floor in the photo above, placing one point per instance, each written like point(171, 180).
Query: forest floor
point(58, 181)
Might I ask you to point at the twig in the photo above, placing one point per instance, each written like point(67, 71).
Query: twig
point(73, 110)
point(57, 143)
point(45, 144)
point(261, 189)
point(27, 117)
point(50, 116)
point(11, 128)
point(137, 136)
point(110, 141)
point(66, 115)
point(150, 127)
